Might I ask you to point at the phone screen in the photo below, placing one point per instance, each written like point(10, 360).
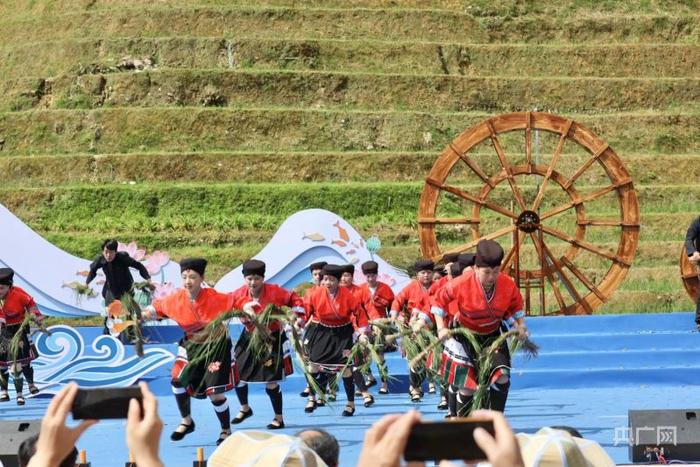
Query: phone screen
point(446, 440)
point(100, 403)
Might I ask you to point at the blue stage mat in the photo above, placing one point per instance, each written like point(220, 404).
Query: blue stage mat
point(590, 372)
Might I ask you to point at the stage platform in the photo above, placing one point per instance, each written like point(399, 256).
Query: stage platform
point(590, 372)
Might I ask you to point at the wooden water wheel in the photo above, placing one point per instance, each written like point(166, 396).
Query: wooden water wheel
point(689, 274)
point(559, 192)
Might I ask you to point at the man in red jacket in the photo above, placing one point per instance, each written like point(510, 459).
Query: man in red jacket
point(376, 297)
point(412, 306)
point(485, 298)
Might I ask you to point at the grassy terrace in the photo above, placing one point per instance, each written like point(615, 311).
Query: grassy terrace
point(249, 111)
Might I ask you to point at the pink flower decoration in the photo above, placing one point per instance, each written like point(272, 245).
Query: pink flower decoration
point(214, 367)
point(133, 250)
point(155, 262)
point(163, 290)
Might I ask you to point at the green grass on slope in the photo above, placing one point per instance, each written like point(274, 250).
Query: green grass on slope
point(84, 56)
point(435, 25)
point(185, 130)
point(291, 167)
point(361, 91)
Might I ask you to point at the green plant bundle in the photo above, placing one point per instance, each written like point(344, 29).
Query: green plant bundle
point(484, 356)
point(80, 291)
point(132, 310)
point(16, 343)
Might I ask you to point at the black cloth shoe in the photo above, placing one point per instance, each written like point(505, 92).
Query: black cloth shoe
point(242, 415)
point(20, 400)
point(349, 411)
point(443, 405)
point(222, 437)
point(4, 397)
point(178, 435)
point(371, 382)
point(304, 393)
point(310, 407)
point(33, 389)
point(275, 425)
point(369, 400)
point(383, 391)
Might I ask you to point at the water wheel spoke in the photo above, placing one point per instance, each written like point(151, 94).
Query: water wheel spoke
point(690, 275)
point(473, 166)
point(606, 223)
point(557, 210)
point(447, 220)
point(585, 199)
point(509, 172)
point(582, 277)
point(511, 254)
point(528, 141)
point(546, 270)
point(464, 195)
point(586, 165)
point(472, 244)
point(552, 166)
point(568, 285)
point(584, 245)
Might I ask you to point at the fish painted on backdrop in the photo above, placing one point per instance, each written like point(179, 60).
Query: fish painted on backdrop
point(351, 252)
point(82, 273)
point(342, 232)
point(314, 237)
point(339, 243)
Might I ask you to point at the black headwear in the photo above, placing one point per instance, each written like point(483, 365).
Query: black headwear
point(457, 268)
point(333, 270)
point(424, 265)
point(198, 265)
point(467, 259)
point(450, 257)
point(6, 276)
point(316, 266)
point(253, 267)
point(488, 254)
point(370, 267)
point(349, 268)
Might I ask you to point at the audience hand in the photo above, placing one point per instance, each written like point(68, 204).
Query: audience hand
point(501, 450)
point(143, 429)
point(386, 440)
point(56, 440)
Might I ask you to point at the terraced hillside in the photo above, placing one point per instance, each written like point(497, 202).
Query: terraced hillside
point(199, 126)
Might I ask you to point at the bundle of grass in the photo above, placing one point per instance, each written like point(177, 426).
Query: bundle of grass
point(16, 343)
point(80, 291)
point(484, 356)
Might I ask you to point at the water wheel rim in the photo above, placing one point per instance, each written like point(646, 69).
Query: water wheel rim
point(569, 130)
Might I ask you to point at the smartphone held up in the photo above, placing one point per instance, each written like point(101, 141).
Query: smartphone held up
point(103, 403)
point(449, 440)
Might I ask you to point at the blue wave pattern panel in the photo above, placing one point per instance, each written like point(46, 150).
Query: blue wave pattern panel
point(64, 357)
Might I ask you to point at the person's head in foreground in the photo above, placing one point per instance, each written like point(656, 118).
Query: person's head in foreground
point(28, 447)
point(323, 443)
point(257, 448)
